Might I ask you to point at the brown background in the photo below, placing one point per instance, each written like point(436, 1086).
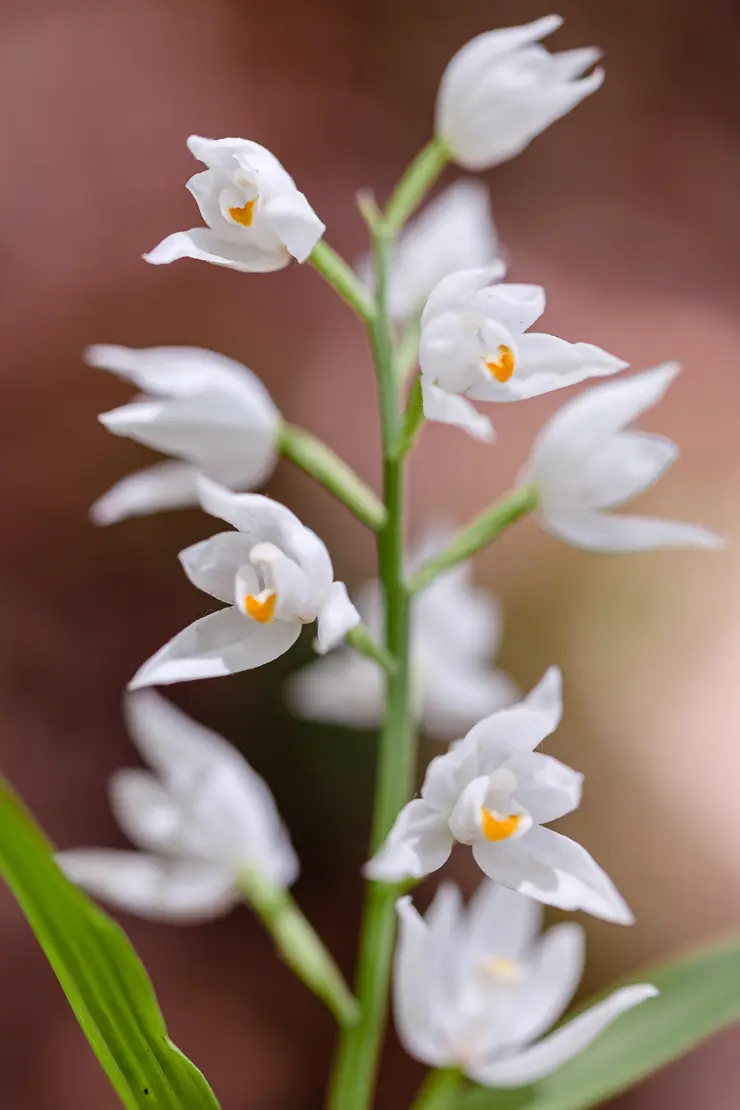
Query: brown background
point(626, 211)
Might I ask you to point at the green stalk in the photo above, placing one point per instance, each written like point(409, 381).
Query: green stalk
point(353, 1078)
point(342, 278)
point(333, 473)
point(415, 184)
point(298, 943)
point(482, 530)
point(439, 1090)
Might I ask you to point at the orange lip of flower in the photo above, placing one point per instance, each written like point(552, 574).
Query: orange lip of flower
point(504, 367)
point(261, 608)
point(498, 828)
point(245, 214)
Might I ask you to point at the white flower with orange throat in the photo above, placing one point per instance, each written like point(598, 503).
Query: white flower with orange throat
point(475, 342)
point(476, 988)
point(494, 792)
point(198, 818)
point(276, 576)
point(208, 411)
point(256, 219)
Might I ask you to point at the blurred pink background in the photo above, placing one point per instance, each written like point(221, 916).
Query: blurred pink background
point(627, 211)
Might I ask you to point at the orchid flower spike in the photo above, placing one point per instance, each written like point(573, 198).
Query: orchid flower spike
point(503, 88)
point(476, 988)
point(276, 575)
point(454, 683)
point(586, 459)
point(200, 817)
point(492, 791)
point(210, 412)
point(257, 220)
point(453, 232)
point(474, 341)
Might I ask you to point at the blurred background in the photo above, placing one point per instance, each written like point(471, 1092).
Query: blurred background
point(627, 211)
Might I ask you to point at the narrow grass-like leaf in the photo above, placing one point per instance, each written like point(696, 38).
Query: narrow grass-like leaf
point(699, 995)
point(104, 981)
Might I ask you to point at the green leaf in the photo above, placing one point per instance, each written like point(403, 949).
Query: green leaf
point(699, 995)
point(104, 980)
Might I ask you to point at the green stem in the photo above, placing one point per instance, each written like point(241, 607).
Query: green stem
point(413, 418)
point(333, 473)
point(481, 531)
point(360, 639)
point(438, 1090)
point(342, 278)
point(415, 183)
point(353, 1078)
point(298, 944)
point(407, 351)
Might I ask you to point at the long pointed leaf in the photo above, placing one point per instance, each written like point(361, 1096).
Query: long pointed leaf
point(699, 995)
point(104, 981)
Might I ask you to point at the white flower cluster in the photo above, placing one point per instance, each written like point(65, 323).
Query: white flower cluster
point(475, 989)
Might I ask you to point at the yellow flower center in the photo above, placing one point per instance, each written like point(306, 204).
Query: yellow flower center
point(262, 606)
point(245, 214)
point(503, 367)
point(501, 967)
point(496, 827)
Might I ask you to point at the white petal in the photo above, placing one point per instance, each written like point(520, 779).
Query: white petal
point(614, 533)
point(566, 1042)
point(470, 63)
point(556, 870)
point(587, 420)
point(345, 688)
point(501, 923)
point(204, 244)
point(547, 788)
point(520, 728)
point(453, 232)
point(215, 805)
point(512, 304)
point(185, 372)
point(268, 521)
point(178, 891)
point(455, 291)
point(220, 153)
point(218, 644)
point(567, 64)
point(419, 843)
point(555, 970)
point(456, 696)
point(447, 408)
point(212, 564)
point(165, 485)
point(145, 811)
point(445, 920)
point(294, 221)
point(545, 363)
point(411, 986)
point(336, 617)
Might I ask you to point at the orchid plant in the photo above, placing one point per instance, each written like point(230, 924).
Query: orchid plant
point(476, 992)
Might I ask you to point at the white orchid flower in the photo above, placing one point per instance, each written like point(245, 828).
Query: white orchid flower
point(503, 88)
point(455, 633)
point(492, 791)
point(453, 232)
point(476, 987)
point(277, 576)
point(199, 818)
point(586, 459)
point(475, 341)
point(205, 409)
point(257, 220)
